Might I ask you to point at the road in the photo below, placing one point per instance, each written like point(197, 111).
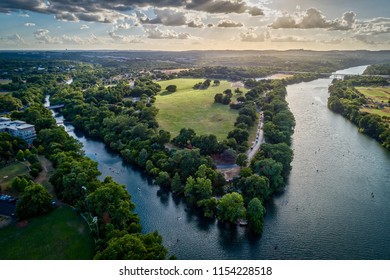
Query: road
point(259, 139)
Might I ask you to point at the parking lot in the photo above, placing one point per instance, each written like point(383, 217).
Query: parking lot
point(7, 206)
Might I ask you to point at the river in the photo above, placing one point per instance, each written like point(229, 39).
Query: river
point(335, 206)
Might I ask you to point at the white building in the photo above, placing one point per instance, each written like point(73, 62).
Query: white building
point(19, 129)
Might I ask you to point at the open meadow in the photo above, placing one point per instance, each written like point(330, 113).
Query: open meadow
point(378, 96)
point(61, 235)
point(195, 108)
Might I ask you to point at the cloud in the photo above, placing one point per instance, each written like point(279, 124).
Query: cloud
point(252, 36)
point(313, 18)
point(195, 24)
point(42, 36)
point(71, 39)
point(29, 24)
point(224, 7)
point(84, 26)
point(227, 23)
point(123, 25)
point(111, 11)
point(14, 39)
point(157, 33)
point(168, 17)
point(373, 27)
point(125, 39)
point(281, 39)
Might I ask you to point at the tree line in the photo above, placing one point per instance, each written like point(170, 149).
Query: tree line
point(344, 99)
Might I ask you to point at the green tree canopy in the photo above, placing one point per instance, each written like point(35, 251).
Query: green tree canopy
point(231, 208)
point(255, 215)
point(34, 201)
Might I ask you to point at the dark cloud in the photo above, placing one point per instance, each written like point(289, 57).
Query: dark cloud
point(168, 17)
point(224, 6)
point(109, 11)
point(227, 23)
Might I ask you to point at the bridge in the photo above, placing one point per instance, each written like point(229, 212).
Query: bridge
point(55, 106)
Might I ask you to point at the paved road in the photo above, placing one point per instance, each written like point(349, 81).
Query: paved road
point(259, 138)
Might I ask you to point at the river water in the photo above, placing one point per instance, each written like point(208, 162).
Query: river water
point(335, 206)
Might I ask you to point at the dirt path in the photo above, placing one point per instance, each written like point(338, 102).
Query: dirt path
point(44, 176)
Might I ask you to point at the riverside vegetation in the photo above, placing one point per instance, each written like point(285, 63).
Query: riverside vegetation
point(365, 101)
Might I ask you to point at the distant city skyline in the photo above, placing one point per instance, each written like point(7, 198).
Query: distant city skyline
point(195, 24)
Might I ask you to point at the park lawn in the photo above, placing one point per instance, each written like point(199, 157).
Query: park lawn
point(12, 170)
point(190, 108)
point(377, 94)
point(60, 235)
point(383, 113)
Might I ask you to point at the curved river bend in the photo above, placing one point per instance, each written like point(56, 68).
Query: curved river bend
point(335, 206)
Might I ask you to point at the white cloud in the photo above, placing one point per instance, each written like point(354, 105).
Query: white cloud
point(313, 18)
point(42, 36)
point(157, 33)
point(227, 23)
point(84, 26)
point(125, 39)
point(12, 40)
point(29, 24)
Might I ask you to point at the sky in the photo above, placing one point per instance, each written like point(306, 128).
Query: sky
point(179, 25)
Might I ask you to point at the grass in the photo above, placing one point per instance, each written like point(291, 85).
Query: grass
point(11, 170)
point(60, 235)
point(383, 113)
point(195, 109)
point(377, 94)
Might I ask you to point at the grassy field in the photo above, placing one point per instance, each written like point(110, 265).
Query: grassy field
point(384, 112)
point(378, 94)
point(11, 170)
point(195, 109)
point(61, 235)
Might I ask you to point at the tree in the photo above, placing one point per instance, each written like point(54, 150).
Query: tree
point(20, 155)
point(34, 201)
point(242, 160)
point(255, 186)
point(255, 215)
point(207, 144)
point(239, 134)
point(112, 200)
point(197, 189)
point(163, 179)
point(185, 137)
point(218, 98)
point(272, 170)
point(208, 206)
point(134, 247)
point(231, 208)
point(171, 88)
point(176, 185)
